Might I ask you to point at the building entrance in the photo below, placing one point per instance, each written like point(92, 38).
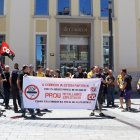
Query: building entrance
point(74, 52)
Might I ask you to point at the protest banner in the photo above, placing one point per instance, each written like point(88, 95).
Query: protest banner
point(60, 93)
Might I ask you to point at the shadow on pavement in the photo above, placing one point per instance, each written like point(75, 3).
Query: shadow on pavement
point(133, 110)
point(74, 118)
point(47, 110)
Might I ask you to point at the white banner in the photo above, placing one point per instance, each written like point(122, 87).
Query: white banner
point(60, 93)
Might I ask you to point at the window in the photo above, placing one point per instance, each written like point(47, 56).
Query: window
point(104, 8)
point(2, 58)
point(41, 7)
point(106, 50)
point(1, 7)
point(85, 7)
point(71, 52)
point(41, 47)
point(64, 7)
point(74, 51)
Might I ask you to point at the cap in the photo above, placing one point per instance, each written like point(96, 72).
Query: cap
point(79, 67)
point(31, 66)
point(58, 71)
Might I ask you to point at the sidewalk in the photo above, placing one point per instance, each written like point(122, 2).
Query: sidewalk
point(72, 125)
point(131, 118)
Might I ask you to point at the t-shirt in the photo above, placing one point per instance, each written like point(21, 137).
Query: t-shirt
point(6, 75)
point(14, 77)
point(20, 77)
point(127, 80)
point(111, 80)
point(89, 75)
point(80, 75)
point(40, 74)
point(99, 75)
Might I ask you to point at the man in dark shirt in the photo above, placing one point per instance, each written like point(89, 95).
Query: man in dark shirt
point(25, 71)
point(110, 81)
point(14, 88)
point(100, 97)
point(1, 84)
point(80, 73)
point(6, 85)
point(127, 89)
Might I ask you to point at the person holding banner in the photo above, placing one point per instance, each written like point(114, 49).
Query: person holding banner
point(6, 85)
point(80, 73)
point(24, 72)
point(89, 75)
point(68, 75)
point(100, 98)
point(39, 73)
point(31, 70)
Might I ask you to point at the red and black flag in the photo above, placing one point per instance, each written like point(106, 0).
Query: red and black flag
point(5, 51)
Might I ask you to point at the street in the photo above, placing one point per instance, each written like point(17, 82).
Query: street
point(72, 125)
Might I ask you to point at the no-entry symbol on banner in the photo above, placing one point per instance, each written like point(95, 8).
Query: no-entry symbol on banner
point(31, 92)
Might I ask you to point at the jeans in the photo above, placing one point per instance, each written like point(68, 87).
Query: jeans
point(7, 96)
point(16, 97)
point(110, 95)
point(21, 99)
point(22, 105)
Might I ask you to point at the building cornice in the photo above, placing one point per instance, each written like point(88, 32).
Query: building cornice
point(75, 17)
point(2, 16)
point(41, 16)
point(106, 18)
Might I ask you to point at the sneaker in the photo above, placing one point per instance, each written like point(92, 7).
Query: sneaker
point(33, 116)
point(23, 115)
point(120, 107)
point(129, 109)
point(101, 114)
point(6, 107)
point(107, 106)
point(125, 110)
point(16, 111)
point(92, 114)
point(113, 105)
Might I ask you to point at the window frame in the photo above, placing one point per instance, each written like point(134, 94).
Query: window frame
point(1, 14)
point(45, 53)
point(35, 12)
point(2, 58)
point(103, 46)
point(106, 9)
point(64, 14)
point(91, 4)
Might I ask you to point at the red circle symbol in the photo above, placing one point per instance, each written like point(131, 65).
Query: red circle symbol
point(31, 92)
point(92, 89)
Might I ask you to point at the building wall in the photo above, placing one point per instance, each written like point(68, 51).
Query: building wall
point(19, 30)
point(21, 27)
point(127, 34)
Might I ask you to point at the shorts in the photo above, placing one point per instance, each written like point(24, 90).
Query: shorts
point(121, 93)
point(100, 98)
point(127, 94)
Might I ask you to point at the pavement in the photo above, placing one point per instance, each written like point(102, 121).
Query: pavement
point(72, 124)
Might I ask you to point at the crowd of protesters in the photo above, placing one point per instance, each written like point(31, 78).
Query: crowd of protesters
point(11, 82)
